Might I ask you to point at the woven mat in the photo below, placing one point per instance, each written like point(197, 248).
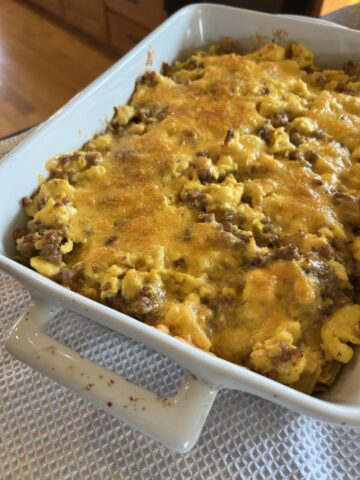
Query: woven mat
point(47, 432)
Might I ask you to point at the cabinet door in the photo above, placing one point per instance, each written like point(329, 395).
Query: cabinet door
point(87, 15)
point(53, 6)
point(146, 13)
point(124, 34)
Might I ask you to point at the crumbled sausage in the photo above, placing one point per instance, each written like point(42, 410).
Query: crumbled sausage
point(65, 159)
point(231, 236)
point(355, 282)
point(150, 114)
point(18, 233)
point(26, 201)
point(295, 138)
point(289, 51)
point(289, 252)
point(27, 248)
point(229, 239)
point(193, 64)
point(234, 230)
point(233, 217)
point(265, 134)
point(341, 87)
point(330, 285)
point(272, 374)
point(106, 286)
point(204, 175)
point(42, 201)
point(143, 306)
point(161, 113)
point(260, 260)
point(188, 137)
point(265, 235)
point(288, 353)
point(203, 153)
point(227, 226)
point(110, 241)
point(229, 135)
point(148, 78)
point(93, 158)
point(194, 198)
point(65, 277)
point(50, 249)
point(296, 155)
point(181, 264)
point(206, 217)
point(167, 70)
point(246, 199)
point(325, 251)
point(311, 156)
point(351, 69)
point(279, 119)
point(243, 236)
point(227, 45)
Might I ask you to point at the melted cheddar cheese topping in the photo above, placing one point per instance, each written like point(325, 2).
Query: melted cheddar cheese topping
point(222, 206)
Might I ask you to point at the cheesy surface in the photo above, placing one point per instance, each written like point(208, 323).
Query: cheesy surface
point(220, 205)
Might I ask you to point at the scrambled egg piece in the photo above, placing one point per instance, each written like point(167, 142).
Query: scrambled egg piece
point(221, 205)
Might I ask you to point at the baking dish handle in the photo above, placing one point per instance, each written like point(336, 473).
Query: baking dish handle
point(175, 421)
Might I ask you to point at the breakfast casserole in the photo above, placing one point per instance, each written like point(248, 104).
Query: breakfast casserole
point(221, 205)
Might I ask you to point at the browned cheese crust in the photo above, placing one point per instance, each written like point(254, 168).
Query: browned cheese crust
point(222, 206)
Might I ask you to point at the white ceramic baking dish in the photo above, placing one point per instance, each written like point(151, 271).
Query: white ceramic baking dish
point(177, 421)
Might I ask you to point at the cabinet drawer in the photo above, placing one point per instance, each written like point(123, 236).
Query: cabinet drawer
point(144, 12)
point(124, 34)
point(87, 15)
point(53, 6)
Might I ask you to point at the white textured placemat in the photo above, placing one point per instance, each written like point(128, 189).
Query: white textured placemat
point(47, 432)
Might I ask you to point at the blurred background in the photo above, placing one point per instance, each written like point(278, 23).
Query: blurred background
point(51, 49)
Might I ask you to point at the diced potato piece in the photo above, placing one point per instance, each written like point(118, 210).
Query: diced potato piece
point(90, 173)
point(44, 267)
point(182, 320)
point(280, 141)
point(304, 125)
point(102, 142)
point(124, 113)
point(342, 327)
point(279, 354)
point(132, 284)
point(52, 216)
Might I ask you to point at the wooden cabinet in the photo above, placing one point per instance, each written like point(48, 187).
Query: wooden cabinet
point(144, 12)
point(119, 23)
point(88, 16)
point(53, 6)
point(123, 33)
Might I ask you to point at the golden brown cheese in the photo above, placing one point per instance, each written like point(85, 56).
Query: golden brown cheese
point(222, 206)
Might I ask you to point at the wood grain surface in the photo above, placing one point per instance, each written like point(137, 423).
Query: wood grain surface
point(42, 65)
